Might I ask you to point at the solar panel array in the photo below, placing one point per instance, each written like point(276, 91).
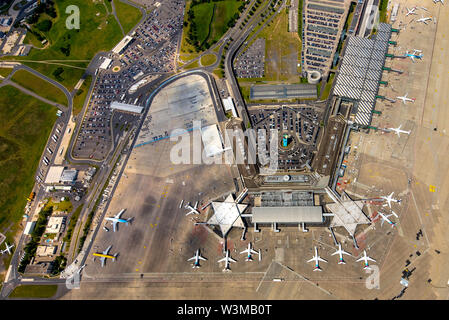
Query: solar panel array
point(361, 70)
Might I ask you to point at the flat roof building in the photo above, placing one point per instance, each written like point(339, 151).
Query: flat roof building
point(121, 46)
point(287, 215)
point(55, 224)
point(45, 251)
point(212, 140)
point(115, 105)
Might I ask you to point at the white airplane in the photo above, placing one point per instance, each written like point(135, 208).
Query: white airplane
point(197, 257)
point(423, 20)
point(366, 258)
point(116, 219)
point(385, 219)
point(340, 252)
point(410, 11)
point(104, 255)
point(415, 55)
point(390, 199)
point(436, 1)
point(317, 258)
point(8, 248)
point(405, 99)
point(249, 251)
point(398, 130)
point(81, 269)
point(193, 210)
point(227, 259)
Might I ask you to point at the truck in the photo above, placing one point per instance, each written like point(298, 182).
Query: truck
point(31, 196)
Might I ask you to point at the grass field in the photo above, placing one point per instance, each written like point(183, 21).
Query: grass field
point(26, 125)
point(208, 59)
point(81, 94)
point(128, 15)
point(192, 65)
point(34, 291)
point(211, 19)
point(39, 86)
point(5, 71)
point(96, 33)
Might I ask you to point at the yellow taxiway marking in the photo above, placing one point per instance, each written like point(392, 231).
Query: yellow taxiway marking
point(432, 188)
point(158, 205)
point(137, 269)
point(144, 247)
point(140, 262)
point(414, 245)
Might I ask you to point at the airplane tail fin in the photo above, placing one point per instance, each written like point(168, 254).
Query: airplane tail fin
point(341, 262)
point(115, 257)
point(317, 269)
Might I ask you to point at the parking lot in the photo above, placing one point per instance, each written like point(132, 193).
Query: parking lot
point(152, 50)
point(251, 63)
point(300, 122)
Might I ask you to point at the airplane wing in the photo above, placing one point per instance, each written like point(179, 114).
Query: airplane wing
point(244, 251)
point(107, 249)
point(117, 216)
point(321, 259)
point(190, 259)
point(102, 259)
point(313, 259)
point(221, 260)
point(202, 258)
point(114, 224)
point(254, 251)
point(360, 259)
point(370, 259)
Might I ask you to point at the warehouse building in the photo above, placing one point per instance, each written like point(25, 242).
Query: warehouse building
point(115, 105)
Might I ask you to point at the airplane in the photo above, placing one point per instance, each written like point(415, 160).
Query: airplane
point(8, 248)
point(411, 11)
point(423, 20)
point(193, 210)
point(405, 99)
point(227, 259)
point(197, 258)
point(317, 258)
point(116, 219)
point(385, 219)
point(436, 1)
point(365, 258)
point(81, 269)
point(415, 55)
point(104, 255)
point(340, 252)
point(398, 131)
point(390, 199)
point(249, 251)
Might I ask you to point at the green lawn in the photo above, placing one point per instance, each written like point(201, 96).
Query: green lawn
point(4, 72)
point(39, 86)
point(192, 65)
point(208, 59)
point(81, 94)
point(34, 291)
point(211, 21)
point(26, 125)
point(128, 15)
point(96, 33)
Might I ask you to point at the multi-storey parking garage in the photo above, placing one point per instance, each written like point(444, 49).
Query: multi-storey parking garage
point(323, 21)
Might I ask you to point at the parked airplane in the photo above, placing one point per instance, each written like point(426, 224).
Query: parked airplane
point(116, 219)
point(398, 130)
point(385, 219)
point(423, 20)
point(193, 210)
point(340, 252)
point(104, 255)
point(410, 11)
point(390, 199)
point(405, 99)
point(197, 257)
point(436, 1)
point(227, 259)
point(317, 258)
point(366, 258)
point(8, 248)
point(415, 55)
point(249, 251)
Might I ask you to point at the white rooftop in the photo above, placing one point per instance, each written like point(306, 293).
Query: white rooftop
point(212, 140)
point(227, 214)
point(54, 174)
